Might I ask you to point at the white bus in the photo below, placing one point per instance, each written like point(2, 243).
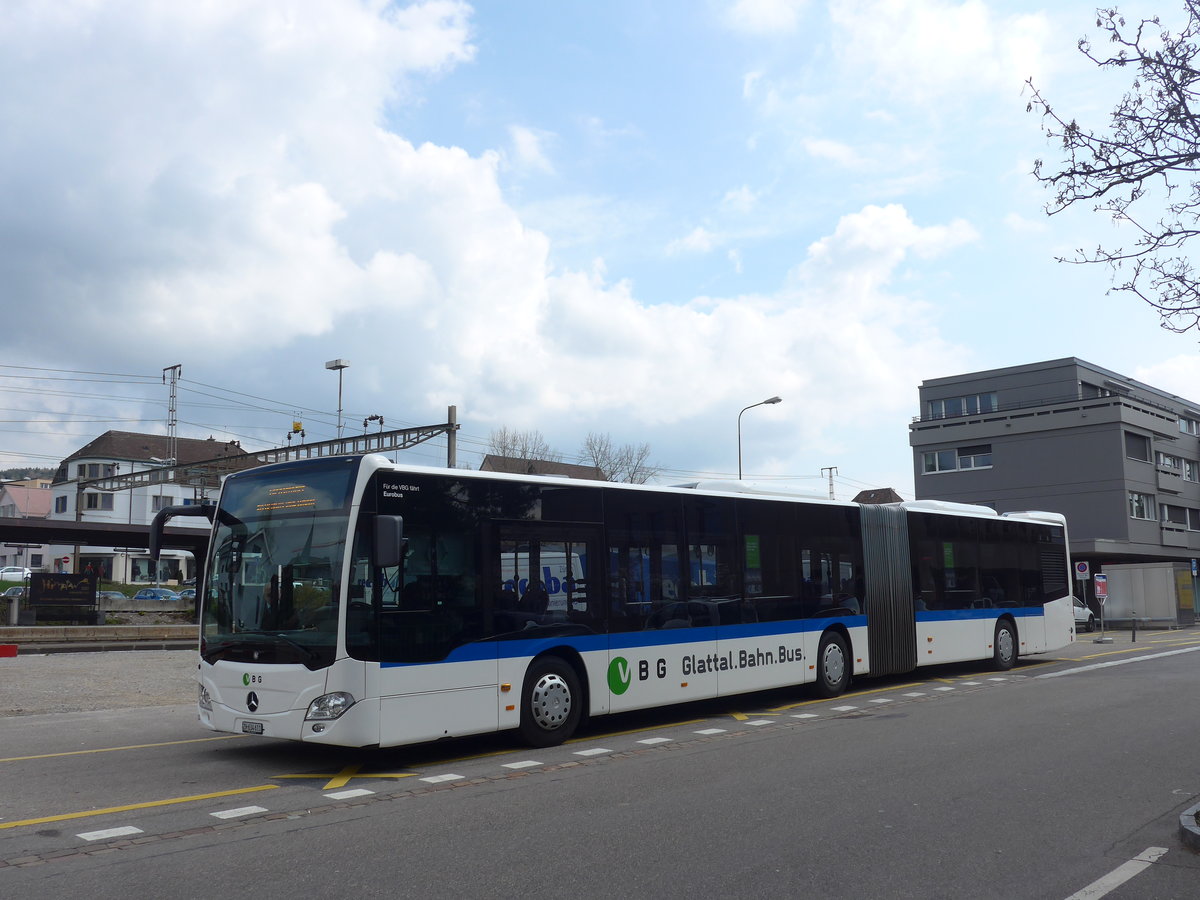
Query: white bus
point(351, 601)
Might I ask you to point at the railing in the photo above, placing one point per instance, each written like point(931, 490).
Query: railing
point(1054, 401)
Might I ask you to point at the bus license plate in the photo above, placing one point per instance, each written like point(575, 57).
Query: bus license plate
point(252, 727)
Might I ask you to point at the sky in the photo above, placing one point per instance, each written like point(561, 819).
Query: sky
point(632, 218)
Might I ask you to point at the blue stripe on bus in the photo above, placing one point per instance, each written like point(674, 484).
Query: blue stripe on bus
point(958, 615)
point(630, 640)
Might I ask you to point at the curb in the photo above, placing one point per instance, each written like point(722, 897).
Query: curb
point(102, 647)
point(1189, 831)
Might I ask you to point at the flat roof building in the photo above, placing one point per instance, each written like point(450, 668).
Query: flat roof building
point(1119, 458)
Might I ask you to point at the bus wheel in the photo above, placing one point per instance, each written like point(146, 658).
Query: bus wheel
point(1004, 652)
point(833, 665)
point(550, 702)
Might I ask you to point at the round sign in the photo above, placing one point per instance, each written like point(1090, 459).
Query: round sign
point(66, 559)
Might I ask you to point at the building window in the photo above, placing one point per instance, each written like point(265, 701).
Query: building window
point(60, 504)
point(969, 405)
point(1137, 446)
point(975, 457)
point(1141, 506)
point(1092, 391)
point(159, 503)
point(95, 470)
point(35, 560)
point(1174, 515)
point(1193, 522)
point(1167, 461)
point(1188, 426)
point(979, 457)
point(98, 501)
point(1191, 470)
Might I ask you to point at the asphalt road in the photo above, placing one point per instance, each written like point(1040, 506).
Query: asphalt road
point(958, 783)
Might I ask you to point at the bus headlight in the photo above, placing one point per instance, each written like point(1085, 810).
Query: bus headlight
point(329, 706)
point(205, 700)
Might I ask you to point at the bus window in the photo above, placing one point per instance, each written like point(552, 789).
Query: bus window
point(644, 563)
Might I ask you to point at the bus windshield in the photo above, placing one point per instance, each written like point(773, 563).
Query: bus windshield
point(271, 590)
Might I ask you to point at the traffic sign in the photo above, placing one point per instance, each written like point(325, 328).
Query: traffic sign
point(1101, 587)
point(1081, 571)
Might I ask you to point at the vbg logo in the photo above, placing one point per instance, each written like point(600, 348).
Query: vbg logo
point(619, 675)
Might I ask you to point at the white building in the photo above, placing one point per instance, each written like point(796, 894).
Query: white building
point(117, 453)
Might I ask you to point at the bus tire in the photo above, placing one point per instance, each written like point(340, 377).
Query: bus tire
point(833, 665)
point(1004, 645)
point(551, 702)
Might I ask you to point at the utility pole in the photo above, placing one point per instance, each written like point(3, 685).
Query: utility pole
point(832, 470)
point(172, 414)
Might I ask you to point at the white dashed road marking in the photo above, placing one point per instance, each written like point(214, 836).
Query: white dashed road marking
point(109, 833)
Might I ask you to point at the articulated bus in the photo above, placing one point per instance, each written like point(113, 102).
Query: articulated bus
point(351, 601)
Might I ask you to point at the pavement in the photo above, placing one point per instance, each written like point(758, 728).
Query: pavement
point(44, 679)
point(34, 684)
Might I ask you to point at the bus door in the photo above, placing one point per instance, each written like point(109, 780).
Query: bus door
point(437, 672)
point(544, 593)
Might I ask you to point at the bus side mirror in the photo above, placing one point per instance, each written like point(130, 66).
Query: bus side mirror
point(389, 541)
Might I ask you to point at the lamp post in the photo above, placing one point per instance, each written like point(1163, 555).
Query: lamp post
point(337, 365)
point(770, 400)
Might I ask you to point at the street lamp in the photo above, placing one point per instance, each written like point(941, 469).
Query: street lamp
point(338, 365)
point(739, 427)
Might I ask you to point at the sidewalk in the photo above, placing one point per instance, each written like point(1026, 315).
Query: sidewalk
point(38, 683)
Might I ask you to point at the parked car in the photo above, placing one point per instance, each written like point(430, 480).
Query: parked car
point(17, 592)
point(1085, 619)
point(111, 595)
point(14, 573)
point(188, 594)
point(155, 594)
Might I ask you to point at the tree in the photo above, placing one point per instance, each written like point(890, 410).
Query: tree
point(626, 463)
point(1144, 171)
point(514, 444)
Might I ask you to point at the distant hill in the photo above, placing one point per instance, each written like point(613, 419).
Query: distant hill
point(21, 474)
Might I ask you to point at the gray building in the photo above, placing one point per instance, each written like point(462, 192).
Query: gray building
point(1119, 458)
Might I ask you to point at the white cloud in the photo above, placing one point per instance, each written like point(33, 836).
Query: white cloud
point(247, 212)
point(929, 49)
point(834, 151)
point(741, 200)
point(699, 240)
point(528, 148)
point(765, 17)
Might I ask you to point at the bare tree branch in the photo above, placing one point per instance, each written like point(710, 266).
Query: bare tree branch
point(513, 444)
point(627, 463)
point(1144, 172)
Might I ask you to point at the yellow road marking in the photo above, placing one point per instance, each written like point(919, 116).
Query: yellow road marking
point(132, 806)
point(342, 778)
point(229, 737)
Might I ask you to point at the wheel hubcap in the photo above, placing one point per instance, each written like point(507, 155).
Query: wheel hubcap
point(833, 664)
point(1004, 643)
point(550, 701)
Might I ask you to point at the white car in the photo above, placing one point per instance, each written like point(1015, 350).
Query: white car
point(1085, 619)
point(14, 573)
